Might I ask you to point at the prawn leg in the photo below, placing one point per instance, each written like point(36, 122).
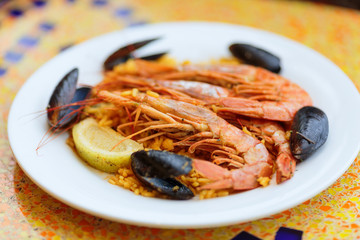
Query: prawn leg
point(202, 119)
point(285, 162)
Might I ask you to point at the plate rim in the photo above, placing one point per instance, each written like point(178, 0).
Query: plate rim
point(330, 181)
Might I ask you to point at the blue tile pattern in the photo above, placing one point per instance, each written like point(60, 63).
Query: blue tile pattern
point(288, 234)
point(46, 27)
point(16, 12)
point(39, 3)
point(245, 236)
point(282, 234)
point(123, 12)
point(99, 2)
point(2, 71)
point(28, 41)
point(13, 57)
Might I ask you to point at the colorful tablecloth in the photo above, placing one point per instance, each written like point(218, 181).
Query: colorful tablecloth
point(32, 32)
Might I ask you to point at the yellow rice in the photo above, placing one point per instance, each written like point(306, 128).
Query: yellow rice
point(108, 115)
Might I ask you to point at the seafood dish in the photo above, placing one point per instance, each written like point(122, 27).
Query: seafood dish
point(206, 130)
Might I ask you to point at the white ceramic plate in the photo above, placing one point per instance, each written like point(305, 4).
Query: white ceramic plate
point(58, 171)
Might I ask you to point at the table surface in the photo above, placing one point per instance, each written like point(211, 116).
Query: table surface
point(33, 32)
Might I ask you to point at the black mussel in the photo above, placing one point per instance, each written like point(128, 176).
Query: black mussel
point(255, 56)
point(66, 100)
point(70, 113)
point(162, 163)
point(168, 186)
point(81, 94)
point(62, 95)
point(153, 57)
point(156, 169)
point(309, 132)
point(125, 53)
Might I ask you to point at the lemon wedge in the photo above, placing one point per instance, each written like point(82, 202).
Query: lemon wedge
point(95, 144)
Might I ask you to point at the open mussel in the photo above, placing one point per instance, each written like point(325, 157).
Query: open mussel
point(62, 109)
point(125, 53)
point(71, 112)
point(309, 131)
point(157, 169)
point(255, 56)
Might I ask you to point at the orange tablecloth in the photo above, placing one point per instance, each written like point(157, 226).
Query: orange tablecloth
point(33, 32)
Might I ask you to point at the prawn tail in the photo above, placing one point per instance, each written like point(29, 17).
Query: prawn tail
point(285, 165)
point(219, 184)
point(210, 170)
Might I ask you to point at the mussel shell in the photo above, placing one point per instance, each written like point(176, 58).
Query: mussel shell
point(309, 131)
point(167, 186)
point(124, 53)
point(70, 112)
point(153, 57)
point(161, 164)
point(62, 95)
point(116, 61)
point(151, 168)
point(256, 56)
point(81, 94)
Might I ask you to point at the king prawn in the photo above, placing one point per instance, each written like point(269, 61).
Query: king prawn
point(208, 130)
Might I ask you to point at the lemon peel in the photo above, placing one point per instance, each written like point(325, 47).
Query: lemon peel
point(95, 144)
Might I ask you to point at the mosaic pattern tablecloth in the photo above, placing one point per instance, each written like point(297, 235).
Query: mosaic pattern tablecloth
point(32, 32)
